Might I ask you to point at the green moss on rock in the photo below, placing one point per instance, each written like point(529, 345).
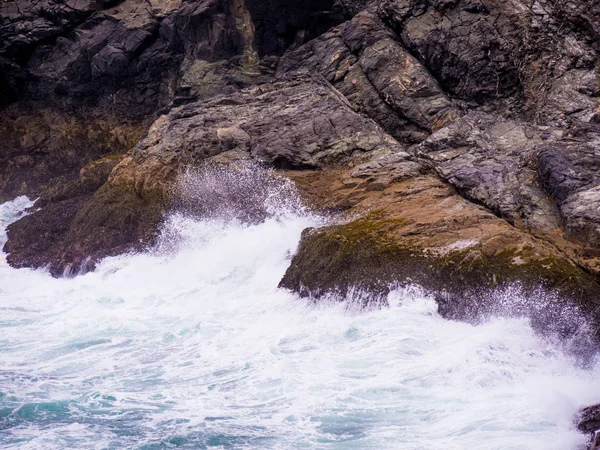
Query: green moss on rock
point(369, 254)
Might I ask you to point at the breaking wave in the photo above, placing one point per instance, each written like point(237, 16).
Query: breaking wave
point(191, 345)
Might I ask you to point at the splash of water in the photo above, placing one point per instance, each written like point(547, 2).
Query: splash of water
point(191, 345)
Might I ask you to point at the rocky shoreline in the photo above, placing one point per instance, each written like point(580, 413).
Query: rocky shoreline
point(455, 142)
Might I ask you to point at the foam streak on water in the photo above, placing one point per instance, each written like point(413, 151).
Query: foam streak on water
point(196, 347)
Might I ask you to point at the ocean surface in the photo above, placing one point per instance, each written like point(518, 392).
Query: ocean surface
point(192, 345)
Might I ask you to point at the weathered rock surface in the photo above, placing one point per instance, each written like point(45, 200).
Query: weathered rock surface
point(588, 422)
point(570, 172)
point(455, 142)
point(42, 149)
point(404, 226)
point(297, 123)
point(534, 57)
point(381, 79)
point(128, 56)
point(493, 162)
point(541, 180)
point(590, 419)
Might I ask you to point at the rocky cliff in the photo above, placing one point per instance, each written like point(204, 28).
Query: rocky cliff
point(456, 143)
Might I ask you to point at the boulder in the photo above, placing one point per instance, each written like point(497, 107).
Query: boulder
point(402, 226)
point(588, 422)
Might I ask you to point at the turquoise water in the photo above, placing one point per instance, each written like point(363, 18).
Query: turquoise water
point(192, 345)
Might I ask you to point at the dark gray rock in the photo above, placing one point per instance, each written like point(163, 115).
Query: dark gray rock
point(493, 162)
point(570, 172)
point(23, 24)
point(455, 38)
point(299, 122)
point(127, 57)
point(101, 61)
point(538, 178)
point(570, 166)
point(521, 57)
point(362, 59)
point(588, 422)
point(127, 62)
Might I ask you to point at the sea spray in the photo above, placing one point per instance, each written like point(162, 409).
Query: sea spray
point(191, 345)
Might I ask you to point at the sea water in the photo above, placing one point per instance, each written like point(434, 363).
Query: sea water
point(192, 345)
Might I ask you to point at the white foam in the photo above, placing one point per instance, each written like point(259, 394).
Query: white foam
point(195, 342)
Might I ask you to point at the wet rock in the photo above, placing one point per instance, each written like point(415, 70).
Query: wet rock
point(514, 57)
point(380, 78)
point(43, 150)
point(588, 422)
point(300, 122)
point(49, 229)
point(38, 238)
point(415, 229)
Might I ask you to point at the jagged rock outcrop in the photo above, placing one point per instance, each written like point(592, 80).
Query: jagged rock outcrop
point(570, 173)
point(122, 63)
point(381, 79)
point(128, 56)
point(296, 123)
point(588, 422)
point(458, 136)
point(402, 225)
point(535, 57)
point(527, 177)
point(541, 180)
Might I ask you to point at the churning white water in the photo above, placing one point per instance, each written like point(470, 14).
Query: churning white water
point(192, 345)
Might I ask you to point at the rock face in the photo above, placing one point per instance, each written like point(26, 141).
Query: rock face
point(296, 123)
point(569, 171)
point(589, 423)
point(43, 150)
point(381, 79)
point(414, 228)
point(538, 57)
point(455, 142)
point(97, 65)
